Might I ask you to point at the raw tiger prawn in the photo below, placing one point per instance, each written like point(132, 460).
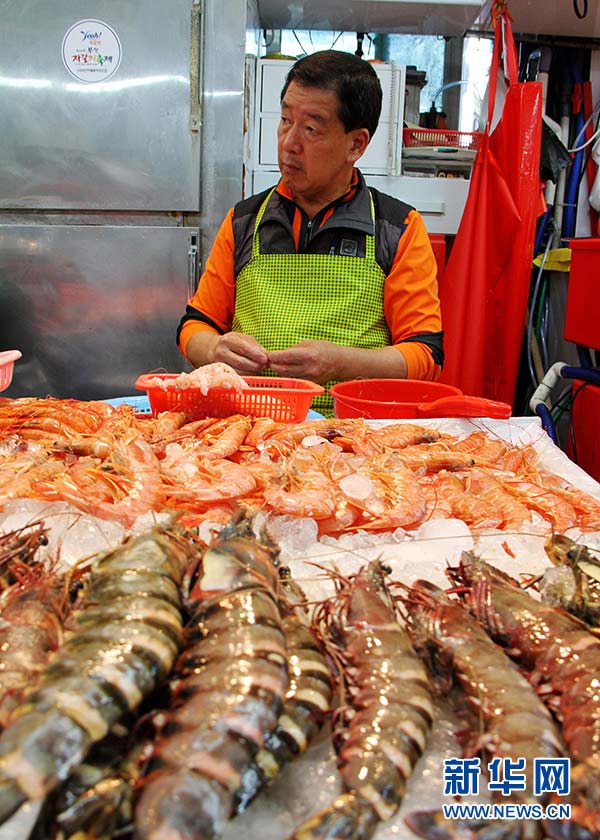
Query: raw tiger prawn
point(561, 658)
point(510, 721)
point(228, 686)
point(96, 800)
point(123, 639)
point(384, 728)
point(307, 700)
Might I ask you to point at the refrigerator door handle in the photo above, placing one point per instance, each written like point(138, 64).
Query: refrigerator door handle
point(195, 65)
point(192, 265)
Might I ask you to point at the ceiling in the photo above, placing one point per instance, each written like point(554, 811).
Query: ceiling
point(549, 17)
point(444, 17)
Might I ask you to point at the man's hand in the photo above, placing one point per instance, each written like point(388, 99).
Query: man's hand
point(241, 352)
point(317, 361)
point(323, 361)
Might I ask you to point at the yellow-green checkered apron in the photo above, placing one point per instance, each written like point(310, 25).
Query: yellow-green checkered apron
point(282, 299)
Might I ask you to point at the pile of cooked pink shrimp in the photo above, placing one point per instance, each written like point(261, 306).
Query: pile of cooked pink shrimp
point(345, 474)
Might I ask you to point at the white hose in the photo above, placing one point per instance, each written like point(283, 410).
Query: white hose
point(546, 386)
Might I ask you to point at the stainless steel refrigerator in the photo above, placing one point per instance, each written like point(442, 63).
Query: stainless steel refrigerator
point(111, 117)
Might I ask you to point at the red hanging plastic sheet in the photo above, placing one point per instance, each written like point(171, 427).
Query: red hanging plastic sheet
point(486, 284)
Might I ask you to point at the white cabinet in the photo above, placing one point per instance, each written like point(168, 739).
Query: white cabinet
point(440, 200)
point(383, 155)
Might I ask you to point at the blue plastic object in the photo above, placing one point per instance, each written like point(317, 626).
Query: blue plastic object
point(142, 405)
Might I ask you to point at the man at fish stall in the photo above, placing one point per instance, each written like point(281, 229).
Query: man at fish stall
point(320, 277)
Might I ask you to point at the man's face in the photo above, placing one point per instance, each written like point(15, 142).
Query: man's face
point(315, 154)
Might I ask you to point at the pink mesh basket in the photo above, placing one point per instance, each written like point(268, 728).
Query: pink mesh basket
point(7, 361)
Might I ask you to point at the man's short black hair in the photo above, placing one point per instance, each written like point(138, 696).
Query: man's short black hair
point(353, 80)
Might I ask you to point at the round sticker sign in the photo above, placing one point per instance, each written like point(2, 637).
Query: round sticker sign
point(91, 51)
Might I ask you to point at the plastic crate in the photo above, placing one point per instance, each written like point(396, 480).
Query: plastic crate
point(7, 360)
point(586, 431)
point(582, 310)
point(428, 137)
point(285, 400)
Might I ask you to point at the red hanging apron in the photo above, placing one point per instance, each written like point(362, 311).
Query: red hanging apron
point(485, 289)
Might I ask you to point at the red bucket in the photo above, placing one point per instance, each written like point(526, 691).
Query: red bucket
point(393, 399)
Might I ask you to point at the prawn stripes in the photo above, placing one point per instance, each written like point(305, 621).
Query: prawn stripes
point(509, 720)
point(561, 657)
point(229, 687)
point(123, 640)
point(384, 727)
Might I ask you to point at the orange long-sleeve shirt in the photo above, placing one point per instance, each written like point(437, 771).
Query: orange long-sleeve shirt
point(411, 303)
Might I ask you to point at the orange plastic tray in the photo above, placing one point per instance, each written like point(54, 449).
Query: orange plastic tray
point(285, 400)
point(441, 137)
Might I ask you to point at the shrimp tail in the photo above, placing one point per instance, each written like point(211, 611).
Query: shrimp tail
point(349, 816)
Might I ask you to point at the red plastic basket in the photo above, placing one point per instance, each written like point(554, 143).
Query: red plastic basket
point(284, 400)
point(425, 137)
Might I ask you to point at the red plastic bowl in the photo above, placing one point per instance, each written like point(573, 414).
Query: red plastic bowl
point(394, 399)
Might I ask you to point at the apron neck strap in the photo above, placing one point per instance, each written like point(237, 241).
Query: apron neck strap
point(262, 210)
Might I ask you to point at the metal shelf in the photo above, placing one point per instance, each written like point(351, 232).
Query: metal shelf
point(443, 17)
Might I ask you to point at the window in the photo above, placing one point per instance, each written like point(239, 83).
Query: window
point(425, 52)
point(477, 58)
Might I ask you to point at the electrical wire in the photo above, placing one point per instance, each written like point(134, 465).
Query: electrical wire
point(299, 42)
point(268, 41)
point(562, 404)
point(587, 142)
point(535, 379)
point(576, 148)
point(541, 329)
point(584, 167)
